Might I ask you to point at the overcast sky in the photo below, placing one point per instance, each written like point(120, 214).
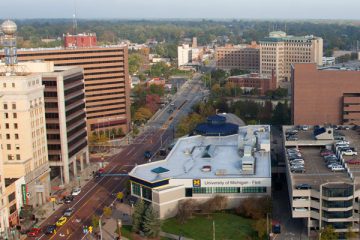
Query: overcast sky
point(288, 9)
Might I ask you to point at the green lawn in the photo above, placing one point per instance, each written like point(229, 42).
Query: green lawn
point(227, 226)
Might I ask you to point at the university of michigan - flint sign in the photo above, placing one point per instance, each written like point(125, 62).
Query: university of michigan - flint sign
point(231, 182)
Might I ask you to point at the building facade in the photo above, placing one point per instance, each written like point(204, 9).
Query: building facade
point(83, 40)
point(107, 87)
point(320, 196)
point(249, 82)
point(279, 51)
point(66, 121)
point(23, 134)
point(184, 54)
point(200, 167)
point(325, 96)
point(243, 57)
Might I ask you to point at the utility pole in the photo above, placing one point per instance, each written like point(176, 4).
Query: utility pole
point(214, 230)
point(101, 237)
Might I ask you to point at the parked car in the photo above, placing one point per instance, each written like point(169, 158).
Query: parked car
point(349, 152)
point(61, 221)
point(325, 153)
point(34, 232)
point(76, 191)
point(50, 229)
point(330, 156)
point(68, 199)
point(333, 165)
point(337, 168)
point(298, 170)
point(303, 127)
point(297, 161)
point(293, 157)
point(338, 142)
point(303, 186)
point(68, 212)
point(353, 161)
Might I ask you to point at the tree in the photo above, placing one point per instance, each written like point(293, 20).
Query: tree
point(186, 209)
point(119, 196)
point(135, 62)
point(120, 132)
point(216, 90)
point(260, 227)
point(151, 224)
point(138, 215)
point(350, 234)
point(255, 208)
point(142, 115)
point(328, 233)
point(95, 220)
point(107, 212)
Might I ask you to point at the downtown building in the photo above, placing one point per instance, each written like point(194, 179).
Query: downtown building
point(254, 81)
point(225, 160)
point(242, 57)
point(318, 195)
point(328, 95)
point(279, 51)
point(106, 78)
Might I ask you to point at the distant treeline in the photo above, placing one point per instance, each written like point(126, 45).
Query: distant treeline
point(337, 35)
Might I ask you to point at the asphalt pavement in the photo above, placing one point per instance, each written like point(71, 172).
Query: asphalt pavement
point(100, 192)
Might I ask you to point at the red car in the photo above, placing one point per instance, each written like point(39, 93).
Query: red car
point(101, 170)
point(325, 153)
point(34, 232)
point(353, 161)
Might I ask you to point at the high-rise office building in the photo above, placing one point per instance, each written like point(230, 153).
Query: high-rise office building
point(107, 87)
point(242, 57)
point(327, 95)
point(66, 121)
point(279, 51)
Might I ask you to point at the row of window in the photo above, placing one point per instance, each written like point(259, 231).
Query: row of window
point(12, 85)
point(212, 190)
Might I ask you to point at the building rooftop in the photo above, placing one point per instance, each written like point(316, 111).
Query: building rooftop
point(279, 36)
point(214, 157)
point(316, 171)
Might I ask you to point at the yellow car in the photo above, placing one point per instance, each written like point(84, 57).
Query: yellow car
point(61, 221)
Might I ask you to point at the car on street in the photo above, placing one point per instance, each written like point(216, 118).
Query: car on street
point(147, 154)
point(297, 161)
point(34, 232)
point(61, 221)
point(68, 212)
point(303, 186)
point(50, 229)
point(68, 199)
point(76, 191)
point(331, 165)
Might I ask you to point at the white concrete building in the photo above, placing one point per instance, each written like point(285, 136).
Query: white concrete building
point(200, 167)
point(184, 54)
point(279, 51)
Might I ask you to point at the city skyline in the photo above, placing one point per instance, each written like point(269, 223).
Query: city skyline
point(140, 9)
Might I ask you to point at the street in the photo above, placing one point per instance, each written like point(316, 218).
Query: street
point(98, 193)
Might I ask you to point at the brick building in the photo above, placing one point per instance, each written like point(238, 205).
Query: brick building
point(327, 95)
point(252, 81)
point(80, 40)
point(243, 57)
point(106, 79)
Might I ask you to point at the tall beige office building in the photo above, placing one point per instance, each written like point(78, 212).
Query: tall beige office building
point(243, 57)
point(279, 51)
point(23, 134)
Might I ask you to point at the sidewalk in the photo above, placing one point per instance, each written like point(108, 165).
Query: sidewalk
point(121, 211)
point(45, 211)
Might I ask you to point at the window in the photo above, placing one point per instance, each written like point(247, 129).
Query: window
point(8, 146)
point(13, 85)
point(14, 106)
point(16, 136)
point(6, 115)
point(14, 115)
point(11, 197)
point(17, 146)
point(7, 125)
point(5, 106)
point(136, 189)
point(15, 125)
point(10, 157)
point(4, 85)
point(7, 136)
point(17, 156)
point(254, 189)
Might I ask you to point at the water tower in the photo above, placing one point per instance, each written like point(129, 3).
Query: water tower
point(8, 41)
